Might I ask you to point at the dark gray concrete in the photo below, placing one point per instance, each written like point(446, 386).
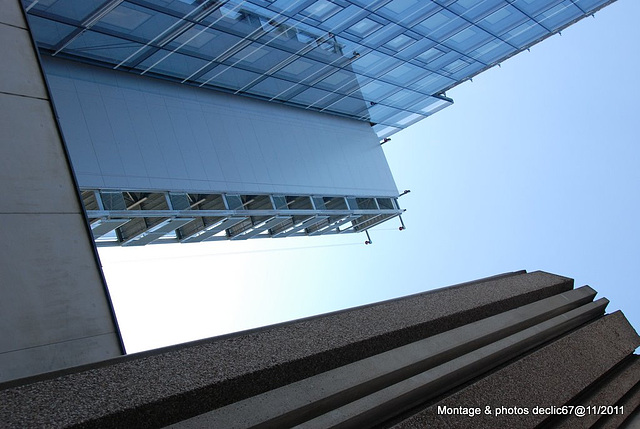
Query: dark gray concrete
point(630, 419)
point(608, 391)
point(357, 383)
point(397, 398)
point(54, 310)
point(173, 384)
point(550, 376)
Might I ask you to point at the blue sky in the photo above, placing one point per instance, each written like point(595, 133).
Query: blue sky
point(535, 166)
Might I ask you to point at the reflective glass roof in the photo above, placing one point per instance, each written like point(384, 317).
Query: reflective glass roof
point(387, 62)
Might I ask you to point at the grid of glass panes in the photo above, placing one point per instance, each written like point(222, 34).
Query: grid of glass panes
point(382, 61)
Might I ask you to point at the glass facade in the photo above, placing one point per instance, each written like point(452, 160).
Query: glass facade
point(133, 218)
point(387, 62)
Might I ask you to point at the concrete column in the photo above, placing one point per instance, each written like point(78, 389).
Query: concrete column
point(54, 308)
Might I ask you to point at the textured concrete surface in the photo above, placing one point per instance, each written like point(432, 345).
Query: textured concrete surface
point(549, 376)
point(632, 421)
point(400, 397)
point(151, 389)
point(335, 388)
point(605, 392)
point(54, 310)
point(11, 13)
point(630, 402)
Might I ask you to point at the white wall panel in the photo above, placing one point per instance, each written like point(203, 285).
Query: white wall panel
point(128, 131)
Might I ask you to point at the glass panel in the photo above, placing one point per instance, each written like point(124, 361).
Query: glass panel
point(404, 99)
point(380, 113)
point(367, 203)
point(473, 9)
point(588, 5)
point(455, 66)
point(280, 202)
point(195, 37)
point(534, 7)
point(172, 64)
point(181, 6)
point(242, 19)
point(374, 63)
point(228, 77)
point(432, 105)
point(469, 68)
point(468, 39)
point(385, 203)
point(136, 21)
point(349, 105)
point(404, 74)
point(502, 20)
point(399, 7)
point(77, 10)
point(559, 15)
point(430, 54)
point(341, 81)
point(179, 201)
point(433, 84)
point(369, 4)
point(125, 17)
point(234, 202)
point(311, 48)
point(101, 47)
point(318, 202)
point(335, 203)
point(203, 42)
point(316, 98)
point(113, 200)
point(349, 48)
point(441, 25)
point(524, 34)
point(383, 131)
point(258, 58)
point(377, 90)
point(364, 27)
point(299, 202)
point(491, 51)
point(346, 17)
point(404, 119)
point(321, 10)
point(271, 87)
point(419, 47)
point(400, 42)
point(48, 33)
point(407, 12)
point(437, 63)
point(301, 69)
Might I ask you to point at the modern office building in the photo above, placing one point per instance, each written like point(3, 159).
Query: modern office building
point(265, 118)
point(139, 121)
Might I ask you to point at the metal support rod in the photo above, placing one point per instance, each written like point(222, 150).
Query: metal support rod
point(137, 203)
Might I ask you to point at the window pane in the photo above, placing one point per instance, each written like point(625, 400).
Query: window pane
point(316, 98)
point(101, 47)
point(48, 33)
point(75, 10)
point(173, 64)
point(559, 15)
point(502, 20)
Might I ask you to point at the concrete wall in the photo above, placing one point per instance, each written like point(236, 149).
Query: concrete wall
point(54, 311)
point(515, 340)
point(132, 132)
